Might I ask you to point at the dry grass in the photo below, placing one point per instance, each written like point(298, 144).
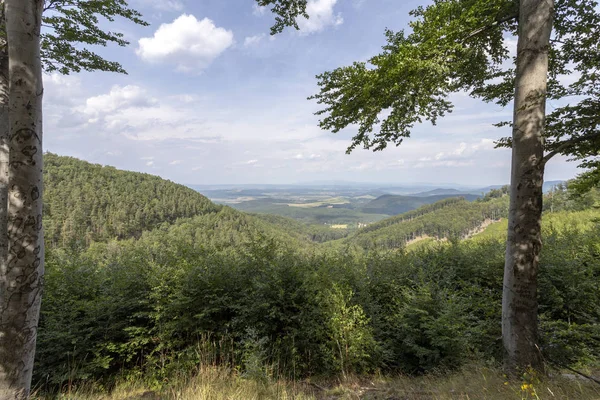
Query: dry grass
point(472, 383)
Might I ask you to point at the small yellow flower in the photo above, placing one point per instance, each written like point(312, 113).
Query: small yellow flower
point(526, 386)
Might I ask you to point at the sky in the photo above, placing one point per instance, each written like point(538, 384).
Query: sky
point(212, 98)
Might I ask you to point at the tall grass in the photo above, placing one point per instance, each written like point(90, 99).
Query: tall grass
point(473, 382)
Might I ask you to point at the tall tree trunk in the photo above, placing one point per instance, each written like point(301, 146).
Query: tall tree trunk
point(3, 141)
point(4, 127)
point(519, 300)
point(21, 286)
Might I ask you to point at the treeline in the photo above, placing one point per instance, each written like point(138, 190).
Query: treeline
point(397, 204)
point(304, 231)
point(256, 293)
point(410, 215)
point(86, 202)
point(566, 197)
point(450, 218)
point(217, 289)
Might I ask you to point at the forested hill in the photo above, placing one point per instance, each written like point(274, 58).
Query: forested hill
point(86, 202)
point(449, 218)
point(397, 204)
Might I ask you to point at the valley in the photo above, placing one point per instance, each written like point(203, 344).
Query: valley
point(299, 200)
point(153, 279)
point(343, 205)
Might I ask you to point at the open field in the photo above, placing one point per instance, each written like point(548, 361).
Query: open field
point(323, 203)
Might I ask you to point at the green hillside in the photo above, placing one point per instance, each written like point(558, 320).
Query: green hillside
point(396, 204)
point(333, 215)
point(86, 202)
point(210, 285)
point(303, 231)
point(448, 218)
point(129, 203)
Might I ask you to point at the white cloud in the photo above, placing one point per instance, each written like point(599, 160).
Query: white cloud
point(188, 43)
point(150, 163)
point(258, 10)
point(250, 41)
point(244, 144)
point(321, 16)
point(129, 96)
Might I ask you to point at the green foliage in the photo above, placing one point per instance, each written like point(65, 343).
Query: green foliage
point(414, 75)
point(256, 295)
point(574, 195)
point(153, 305)
point(349, 332)
point(569, 327)
point(459, 46)
point(395, 204)
point(287, 11)
point(86, 202)
point(310, 215)
point(450, 218)
point(72, 25)
point(496, 193)
point(312, 232)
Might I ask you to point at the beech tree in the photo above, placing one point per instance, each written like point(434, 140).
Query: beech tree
point(24, 51)
point(460, 46)
point(70, 27)
point(23, 276)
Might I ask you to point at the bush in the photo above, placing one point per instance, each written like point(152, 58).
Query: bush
point(183, 294)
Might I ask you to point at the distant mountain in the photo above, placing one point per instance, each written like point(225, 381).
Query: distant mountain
point(548, 185)
point(488, 188)
point(397, 204)
point(441, 192)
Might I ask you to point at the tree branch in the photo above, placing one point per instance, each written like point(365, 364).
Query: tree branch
point(492, 25)
point(567, 143)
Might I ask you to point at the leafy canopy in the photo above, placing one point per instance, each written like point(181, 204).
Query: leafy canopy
point(70, 27)
point(459, 46)
point(286, 11)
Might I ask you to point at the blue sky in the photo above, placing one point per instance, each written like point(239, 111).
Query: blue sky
point(211, 98)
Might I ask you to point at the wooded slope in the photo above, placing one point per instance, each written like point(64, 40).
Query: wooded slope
point(86, 202)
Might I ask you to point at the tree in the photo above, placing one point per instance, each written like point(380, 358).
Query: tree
point(21, 237)
point(458, 45)
point(26, 50)
point(524, 242)
point(3, 141)
point(22, 281)
point(73, 24)
point(70, 26)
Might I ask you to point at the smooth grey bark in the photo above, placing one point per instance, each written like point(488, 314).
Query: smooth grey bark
point(3, 141)
point(21, 286)
point(519, 299)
